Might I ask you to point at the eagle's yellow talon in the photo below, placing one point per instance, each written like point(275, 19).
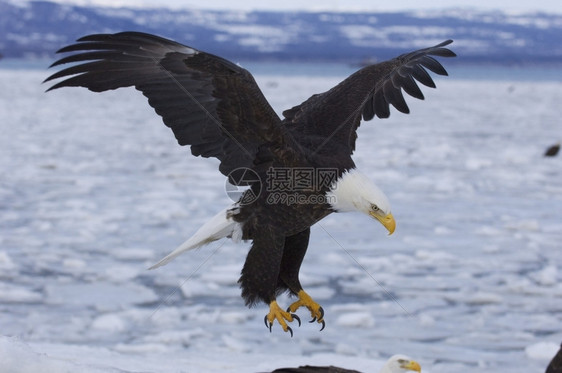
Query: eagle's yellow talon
point(316, 311)
point(276, 313)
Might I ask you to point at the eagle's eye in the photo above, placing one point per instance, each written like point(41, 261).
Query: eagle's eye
point(374, 207)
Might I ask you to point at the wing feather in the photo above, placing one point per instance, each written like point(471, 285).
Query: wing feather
point(335, 115)
point(422, 76)
point(409, 85)
point(381, 107)
point(209, 103)
point(393, 94)
point(433, 65)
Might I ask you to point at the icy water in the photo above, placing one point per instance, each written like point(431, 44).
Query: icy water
point(94, 189)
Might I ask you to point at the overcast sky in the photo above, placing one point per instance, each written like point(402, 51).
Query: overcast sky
point(554, 6)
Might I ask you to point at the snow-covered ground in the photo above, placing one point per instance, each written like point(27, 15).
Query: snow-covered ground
point(94, 189)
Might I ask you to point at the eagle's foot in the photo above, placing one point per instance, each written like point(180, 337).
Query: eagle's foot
point(316, 311)
point(276, 313)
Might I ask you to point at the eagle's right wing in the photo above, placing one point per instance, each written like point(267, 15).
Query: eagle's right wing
point(333, 117)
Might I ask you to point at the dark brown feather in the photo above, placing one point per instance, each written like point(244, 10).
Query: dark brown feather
point(335, 115)
point(209, 103)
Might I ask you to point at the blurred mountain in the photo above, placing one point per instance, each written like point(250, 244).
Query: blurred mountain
point(37, 29)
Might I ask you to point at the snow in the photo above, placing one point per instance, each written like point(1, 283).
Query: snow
point(94, 190)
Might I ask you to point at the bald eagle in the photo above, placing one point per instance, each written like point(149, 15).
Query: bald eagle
point(396, 364)
point(300, 167)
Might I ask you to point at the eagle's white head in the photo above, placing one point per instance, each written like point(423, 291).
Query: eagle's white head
point(354, 191)
point(400, 364)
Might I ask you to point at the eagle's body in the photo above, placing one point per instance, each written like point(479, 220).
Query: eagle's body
point(217, 108)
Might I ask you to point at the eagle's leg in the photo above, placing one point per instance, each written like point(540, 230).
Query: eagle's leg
point(260, 276)
point(293, 254)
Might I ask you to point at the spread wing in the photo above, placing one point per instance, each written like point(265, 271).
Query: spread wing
point(329, 120)
point(211, 104)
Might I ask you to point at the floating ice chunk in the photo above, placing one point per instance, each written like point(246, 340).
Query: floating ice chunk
point(442, 230)
point(345, 349)
point(236, 344)
point(222, 275)
point(474, 164)
point(434, 255)
point(6, 262)
point(10, 293)
point(111, 323)
point(348, 307)
point(178, 337)
point(234, 318)
point(121, 273)
point(74, 264)
point(547, 276)
point(356, 320)
point(481, 298)
point(477, 298)
point(524, 225)
point(488, 231)
point(165, 316)
point(542, 350)
point(426, 320)
point(132, 254)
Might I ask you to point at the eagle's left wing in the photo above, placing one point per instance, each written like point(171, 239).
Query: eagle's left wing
point(332, 117)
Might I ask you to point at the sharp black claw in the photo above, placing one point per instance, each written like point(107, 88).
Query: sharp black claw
point(323, 325)
point(296, 318)
point(290, 331)
point(321, 310)
point(267, 325)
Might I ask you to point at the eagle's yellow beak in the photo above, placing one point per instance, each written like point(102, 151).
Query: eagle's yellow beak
point(387, 221)
point(411, 365)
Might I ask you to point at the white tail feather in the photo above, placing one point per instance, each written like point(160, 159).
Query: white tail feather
point(218, 227)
